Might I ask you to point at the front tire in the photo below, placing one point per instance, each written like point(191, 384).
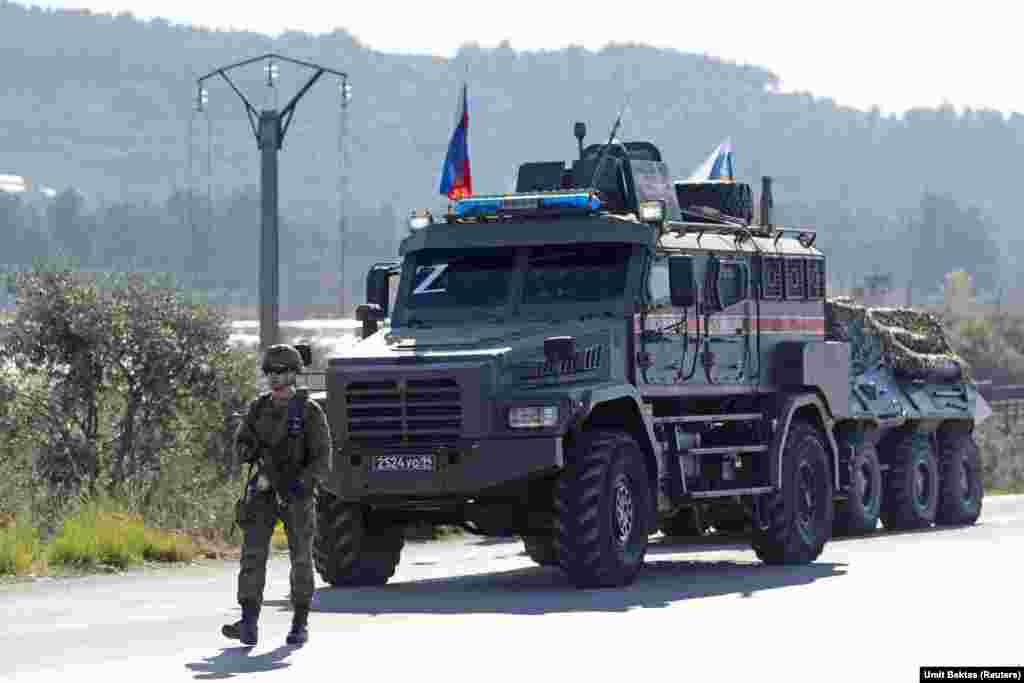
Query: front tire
point(911, 485)
point(799, 515)
point(859, 513)
point(603, 511)
point(960, 487)
point(350, 551)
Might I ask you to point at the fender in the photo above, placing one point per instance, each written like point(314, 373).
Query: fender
point(787, 407)
point(590, 399)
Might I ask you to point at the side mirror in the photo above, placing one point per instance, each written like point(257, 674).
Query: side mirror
point(306, 351)
point(377, 289)
point(681, 281)
point(370, 316)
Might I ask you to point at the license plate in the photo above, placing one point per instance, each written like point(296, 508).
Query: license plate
point(404, 463)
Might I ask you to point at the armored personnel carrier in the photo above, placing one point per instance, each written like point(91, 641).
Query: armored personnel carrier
point(587, 360)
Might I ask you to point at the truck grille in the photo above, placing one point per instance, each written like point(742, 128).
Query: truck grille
point(405, 413)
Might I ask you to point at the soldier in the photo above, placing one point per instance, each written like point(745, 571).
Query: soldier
point(286, 435)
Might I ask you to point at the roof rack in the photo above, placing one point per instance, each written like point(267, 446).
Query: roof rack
point(805, 236)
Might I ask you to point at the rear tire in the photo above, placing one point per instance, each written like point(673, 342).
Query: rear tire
point(911, 485)
point(859, 513)
point(799, 515)
point(960, 487)
point(348, 550)
point(603, 511)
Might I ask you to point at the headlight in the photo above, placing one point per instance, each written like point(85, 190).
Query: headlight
point(533, 416)
point(652, 211)
point(418, 221)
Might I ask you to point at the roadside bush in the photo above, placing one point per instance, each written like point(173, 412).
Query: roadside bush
point(111, 361)
point(120, 386)
point(169, 546)
point(19, 548)
point(1002, 455)
point(95, 534)
point(105, 532)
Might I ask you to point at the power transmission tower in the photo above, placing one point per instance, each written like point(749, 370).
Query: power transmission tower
point(343, 185)
point(270, 126)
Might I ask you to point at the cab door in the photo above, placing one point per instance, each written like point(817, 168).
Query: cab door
point(729, 344)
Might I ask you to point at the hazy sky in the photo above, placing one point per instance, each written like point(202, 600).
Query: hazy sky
point(893, 53)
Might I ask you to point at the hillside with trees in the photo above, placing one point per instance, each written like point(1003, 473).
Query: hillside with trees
point(100, 108)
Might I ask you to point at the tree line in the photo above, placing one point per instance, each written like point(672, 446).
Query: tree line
point(104, 104)
point(207, 246)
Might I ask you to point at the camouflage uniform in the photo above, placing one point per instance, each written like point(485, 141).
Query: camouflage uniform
point(304, 458)
point(290, 440)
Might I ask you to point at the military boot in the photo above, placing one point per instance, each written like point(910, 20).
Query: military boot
point(245, 630)
point(300, 628)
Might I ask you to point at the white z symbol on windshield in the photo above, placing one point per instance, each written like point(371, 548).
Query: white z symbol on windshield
point(436, 271)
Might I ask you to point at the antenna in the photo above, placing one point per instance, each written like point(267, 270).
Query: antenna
point(608, 146)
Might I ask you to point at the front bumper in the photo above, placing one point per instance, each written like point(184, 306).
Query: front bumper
point(466, 469)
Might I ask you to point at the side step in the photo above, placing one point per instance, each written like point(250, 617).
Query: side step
point(726, 450)
point(688, 459)
point(738, 417)
point(753, 491)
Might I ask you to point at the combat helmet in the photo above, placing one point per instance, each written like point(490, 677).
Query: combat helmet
point(282, 355)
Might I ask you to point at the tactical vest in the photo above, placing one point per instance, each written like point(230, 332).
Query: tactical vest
point(287, 453)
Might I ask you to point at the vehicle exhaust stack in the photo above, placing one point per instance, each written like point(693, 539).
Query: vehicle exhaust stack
point(580, 131)
point(766, 201)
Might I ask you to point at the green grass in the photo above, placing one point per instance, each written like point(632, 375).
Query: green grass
point(280, 538)
point(19, 549)
point(1014, 490)
point(101, 533)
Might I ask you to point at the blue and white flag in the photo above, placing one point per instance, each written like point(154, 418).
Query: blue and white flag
point(718, 166)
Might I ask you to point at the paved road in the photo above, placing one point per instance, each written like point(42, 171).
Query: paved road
point(870, 609)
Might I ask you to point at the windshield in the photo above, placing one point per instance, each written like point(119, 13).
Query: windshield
point(576, 272)
point(458, 278)
point(494, 281)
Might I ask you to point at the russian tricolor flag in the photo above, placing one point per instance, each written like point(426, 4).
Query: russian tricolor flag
point(718, 166)
point(456, 181)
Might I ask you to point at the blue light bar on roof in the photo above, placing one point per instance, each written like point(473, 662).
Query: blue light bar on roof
point(538, 203)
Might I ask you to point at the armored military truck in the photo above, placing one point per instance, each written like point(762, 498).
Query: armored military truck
point(587, 360)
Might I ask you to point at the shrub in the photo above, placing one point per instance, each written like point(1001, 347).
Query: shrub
point(96, 535)
point(19, 548)
point(1002, 455)
point(117, 358)
point(169, 546)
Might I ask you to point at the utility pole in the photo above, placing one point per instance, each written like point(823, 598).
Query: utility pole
point(346, 95)
point(270, 126)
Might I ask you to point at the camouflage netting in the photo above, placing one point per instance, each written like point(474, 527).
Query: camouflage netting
point(910, 342)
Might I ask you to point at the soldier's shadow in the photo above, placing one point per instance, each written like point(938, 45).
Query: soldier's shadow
point(231, 661)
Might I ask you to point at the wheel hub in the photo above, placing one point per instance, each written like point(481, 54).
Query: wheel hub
point(965, 482)
point(623, 510)
point(862, 484)
point(922, 489)
point(806, 498)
